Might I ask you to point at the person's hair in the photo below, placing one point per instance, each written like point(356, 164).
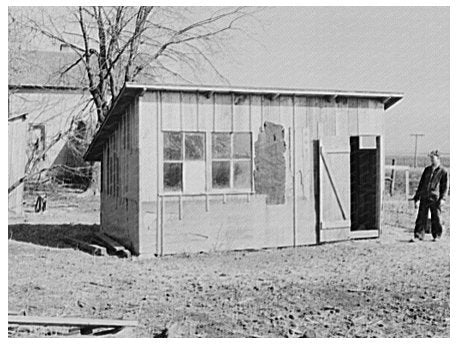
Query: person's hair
point(435, 153)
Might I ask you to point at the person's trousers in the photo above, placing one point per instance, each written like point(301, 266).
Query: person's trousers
point(422, 218)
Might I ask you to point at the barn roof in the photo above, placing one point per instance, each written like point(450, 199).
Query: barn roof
point(56, 70)
point(45, 68)
point(132, 90)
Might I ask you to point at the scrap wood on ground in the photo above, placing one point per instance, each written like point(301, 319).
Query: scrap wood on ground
point(85, 326)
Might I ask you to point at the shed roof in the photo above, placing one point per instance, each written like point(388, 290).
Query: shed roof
point(131, 90)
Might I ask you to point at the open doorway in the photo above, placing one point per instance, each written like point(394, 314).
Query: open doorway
point(365, 183)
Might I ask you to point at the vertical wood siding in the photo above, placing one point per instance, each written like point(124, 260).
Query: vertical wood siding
point(120, 191)
point(213, 221)
point(153, 110)
point(17, 135)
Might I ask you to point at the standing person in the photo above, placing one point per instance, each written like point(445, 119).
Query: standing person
point(431, 193)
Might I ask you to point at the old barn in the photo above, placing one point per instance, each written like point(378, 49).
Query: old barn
point(17, 159)
point(194, 168)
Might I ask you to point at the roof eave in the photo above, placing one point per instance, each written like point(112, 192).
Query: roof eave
point(46, 87)
point(388, 99)
point(93, 153)
point(391, 101)
point(268, 91)
point(90, 155)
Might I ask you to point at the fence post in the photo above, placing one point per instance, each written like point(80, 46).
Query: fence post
point(407, 185)
point(393, 175)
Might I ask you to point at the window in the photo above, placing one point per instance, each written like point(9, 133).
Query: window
point(172, 176)
point(231, 160)
point(221, 146)
point(184, 162)
point(367, 142)
point(185, 156)
point(242, 174)
point(221, 171)
point(173, 161)
point(36, 142)
point(194, 146)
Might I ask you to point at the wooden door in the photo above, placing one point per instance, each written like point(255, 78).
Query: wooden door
point(334, 188)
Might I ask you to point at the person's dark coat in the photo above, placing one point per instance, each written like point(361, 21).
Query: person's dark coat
point(433, 184)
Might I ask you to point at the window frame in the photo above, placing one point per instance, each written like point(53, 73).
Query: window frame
point(42, 146)
point(208, 160)
point(232, 160)
point(183, 158)
point(172, 161)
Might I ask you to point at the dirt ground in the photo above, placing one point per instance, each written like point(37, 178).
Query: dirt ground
point(385, 287)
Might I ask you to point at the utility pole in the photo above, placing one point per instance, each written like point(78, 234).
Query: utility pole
point(417, 135)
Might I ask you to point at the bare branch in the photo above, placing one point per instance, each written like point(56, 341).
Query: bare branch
point(119, 44)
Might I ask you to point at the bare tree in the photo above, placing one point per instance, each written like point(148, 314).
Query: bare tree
point(114, 45)
point(24, 67)
point(120, 44)
point(71, 131)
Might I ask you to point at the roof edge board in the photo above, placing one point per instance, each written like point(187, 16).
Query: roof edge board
point(46, 87)
point(388, 98)
point(259, 90)
point(15, 117)
point(391, 102)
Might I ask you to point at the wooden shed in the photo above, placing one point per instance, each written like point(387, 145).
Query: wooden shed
point(196, 168)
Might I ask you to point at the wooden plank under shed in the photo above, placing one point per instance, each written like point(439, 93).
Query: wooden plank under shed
point(79, 322)
point(90, 248)
point(113, 245)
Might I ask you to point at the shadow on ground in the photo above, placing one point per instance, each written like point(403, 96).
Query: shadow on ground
point(51, 235)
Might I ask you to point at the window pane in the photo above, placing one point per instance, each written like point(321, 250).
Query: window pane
point(220, 174)
point(172, 176)
point(242, 145)
point(194, 146)
point(172, 146)
point(367, 142)
point(194, 176)
point(221, 146)
point(242, 174)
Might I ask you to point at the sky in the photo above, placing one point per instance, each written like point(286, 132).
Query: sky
point(402, 49)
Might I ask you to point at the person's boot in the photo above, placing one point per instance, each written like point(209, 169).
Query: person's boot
point(416, 237)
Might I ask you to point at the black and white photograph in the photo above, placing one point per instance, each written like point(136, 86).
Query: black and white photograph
point(217, 171)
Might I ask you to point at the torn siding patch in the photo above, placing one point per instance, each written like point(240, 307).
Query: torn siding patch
point(270, 163)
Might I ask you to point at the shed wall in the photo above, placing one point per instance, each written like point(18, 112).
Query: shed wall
point(149, 172)
point(120, 181)
point(214, 219)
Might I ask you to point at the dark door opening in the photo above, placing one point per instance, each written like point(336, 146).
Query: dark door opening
point(364, 182)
